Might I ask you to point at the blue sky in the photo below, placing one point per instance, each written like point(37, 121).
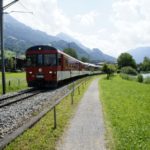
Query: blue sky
point(114, 26)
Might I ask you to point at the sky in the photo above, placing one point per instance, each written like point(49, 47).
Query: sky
point(113, 26)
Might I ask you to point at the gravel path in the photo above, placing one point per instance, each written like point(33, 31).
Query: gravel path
point(86, 130)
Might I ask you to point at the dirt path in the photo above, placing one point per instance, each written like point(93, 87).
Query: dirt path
point(86, 130)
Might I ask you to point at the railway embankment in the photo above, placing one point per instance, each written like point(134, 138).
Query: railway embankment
point(44, 130)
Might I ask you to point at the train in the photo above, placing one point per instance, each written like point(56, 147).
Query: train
point(47, 66)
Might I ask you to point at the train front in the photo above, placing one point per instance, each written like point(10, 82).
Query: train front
point(41, 66)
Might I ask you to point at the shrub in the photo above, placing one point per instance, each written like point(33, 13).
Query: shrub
point(128, 77)
point(140, 78)
point(128, 70)
point(147, 80)
point(124, 76)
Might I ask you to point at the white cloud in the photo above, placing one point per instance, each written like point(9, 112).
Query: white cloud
point(132, 21)
point(87, 19)
point(47, 16)
point(129, 23)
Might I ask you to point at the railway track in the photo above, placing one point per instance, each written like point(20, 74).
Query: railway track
point(6, 101)
point(5, 97)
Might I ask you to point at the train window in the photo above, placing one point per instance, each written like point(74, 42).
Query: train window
point(50, 59)
point(31, 60)
point(59, 59)
point(39, 59)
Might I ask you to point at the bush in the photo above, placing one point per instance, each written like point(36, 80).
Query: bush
point(140, 78)
point(128, 77)
point(147, 80)
point(128, 70)
point(124, 76)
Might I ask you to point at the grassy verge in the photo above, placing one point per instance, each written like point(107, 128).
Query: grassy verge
point(14, 82)
point(127, 113)
point(42, 136)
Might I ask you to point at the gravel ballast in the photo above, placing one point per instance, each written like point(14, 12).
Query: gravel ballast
point(15, 115)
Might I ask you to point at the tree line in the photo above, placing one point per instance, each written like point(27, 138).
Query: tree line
point(126, 64)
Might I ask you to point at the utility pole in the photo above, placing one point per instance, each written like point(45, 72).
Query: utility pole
point(2, 48)
point(1, 42)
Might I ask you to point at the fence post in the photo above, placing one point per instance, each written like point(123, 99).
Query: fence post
point(55, 120)
point(79, 90)
point(73, 88)
point(18, 82)
point(9, 83)
point(72, 98)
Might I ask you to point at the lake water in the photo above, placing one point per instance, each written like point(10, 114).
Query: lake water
point(146, 75)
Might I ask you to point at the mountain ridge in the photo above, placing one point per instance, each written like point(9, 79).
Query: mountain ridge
point(18, 37)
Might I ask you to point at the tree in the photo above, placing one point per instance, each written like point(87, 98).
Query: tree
point(71, 52)
point(109, 69)
point(84, 59)
point(125, 59)
point(146, 64)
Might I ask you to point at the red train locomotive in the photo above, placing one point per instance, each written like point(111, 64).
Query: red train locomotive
point(46, 66)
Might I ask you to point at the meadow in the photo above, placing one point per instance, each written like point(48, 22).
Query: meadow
point(126, 106)
point(14, 81)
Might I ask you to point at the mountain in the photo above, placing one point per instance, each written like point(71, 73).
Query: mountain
point(18, 37)
point(97, 55)
point(61, 44)
point(139, 53)
point(69, 39)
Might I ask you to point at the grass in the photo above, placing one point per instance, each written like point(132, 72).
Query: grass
point(42, 136)
point(14, 81)
point(127, 113)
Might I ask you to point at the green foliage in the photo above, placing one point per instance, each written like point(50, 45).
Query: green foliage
point(147, 80)
point(140, 78)
point(10, 65)
point(9, 54)
point(127, 77)
point(126, 111)
point(146, 64)
point(125, 59)
point(128, 70)
point(71, 52)
point(108, 69)
point(84, 59)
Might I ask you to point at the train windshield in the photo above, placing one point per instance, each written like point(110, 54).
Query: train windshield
point(50, 59)
point(41, 60)
point(31, 60)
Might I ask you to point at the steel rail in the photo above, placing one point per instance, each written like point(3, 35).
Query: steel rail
point(7, 103)
point(17, 94)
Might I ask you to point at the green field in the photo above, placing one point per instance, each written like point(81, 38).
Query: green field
point(126, 106)
point(14, 81)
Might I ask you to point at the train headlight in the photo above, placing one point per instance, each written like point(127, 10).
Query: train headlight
point(30, 72)
point(40, 69)
point(50, 72)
